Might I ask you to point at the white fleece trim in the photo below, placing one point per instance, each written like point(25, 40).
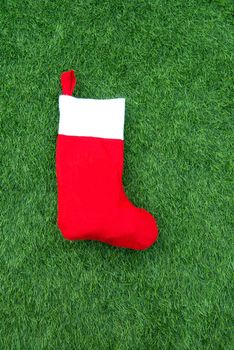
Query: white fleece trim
point(90, 117)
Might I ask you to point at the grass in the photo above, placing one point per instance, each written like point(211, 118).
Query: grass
point(172, 60)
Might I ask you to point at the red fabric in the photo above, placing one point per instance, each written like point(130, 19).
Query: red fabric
point(91, 200)
point(68, 82)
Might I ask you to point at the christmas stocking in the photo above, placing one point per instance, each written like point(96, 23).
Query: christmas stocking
point(89, 165)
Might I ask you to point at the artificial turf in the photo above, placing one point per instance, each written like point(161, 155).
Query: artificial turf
point(172, 60)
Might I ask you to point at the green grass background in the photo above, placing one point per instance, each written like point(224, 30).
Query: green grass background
point(172, 60)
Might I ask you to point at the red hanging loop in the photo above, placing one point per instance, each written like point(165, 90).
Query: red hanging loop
point(68, 82)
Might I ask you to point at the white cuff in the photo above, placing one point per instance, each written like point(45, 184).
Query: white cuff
point(90, 117)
